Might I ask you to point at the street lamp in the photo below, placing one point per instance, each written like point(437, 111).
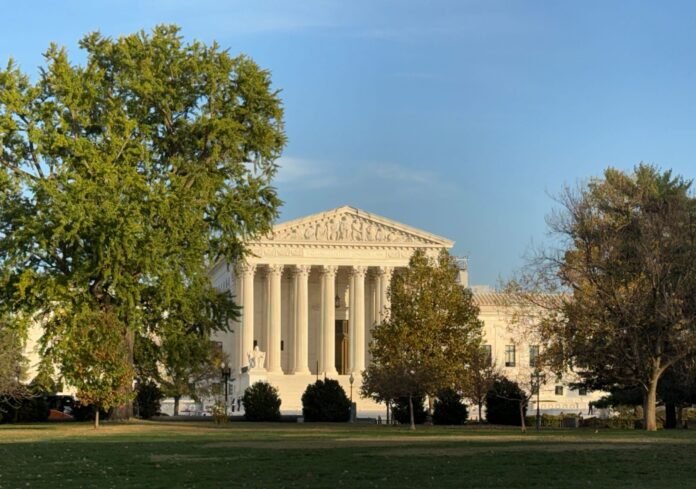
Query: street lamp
point(537, 384)
point(226, 373)
point(351, 379)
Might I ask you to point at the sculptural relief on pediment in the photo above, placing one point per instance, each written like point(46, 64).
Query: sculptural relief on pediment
point(346, 228)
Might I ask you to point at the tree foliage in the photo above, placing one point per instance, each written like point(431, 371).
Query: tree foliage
point(121, 181)
point(96, 360)
point(429, 336)
point(626, 277)
point(182, 360)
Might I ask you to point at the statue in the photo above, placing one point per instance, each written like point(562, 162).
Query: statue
point(370, 232)
point(342, 230)
point(356, 230)
point(256, 358)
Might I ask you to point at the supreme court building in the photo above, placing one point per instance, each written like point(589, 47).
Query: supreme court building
point(310, 294)
point(312, 291)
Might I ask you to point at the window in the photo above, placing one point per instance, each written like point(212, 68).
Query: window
point(559, 390)
point(582, 391)
point(487, 354)
point(509, 355)
point(533, 355)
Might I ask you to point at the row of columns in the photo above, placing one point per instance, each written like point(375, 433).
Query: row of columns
point(300, 291)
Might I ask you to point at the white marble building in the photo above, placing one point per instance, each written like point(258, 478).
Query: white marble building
point(312, 292)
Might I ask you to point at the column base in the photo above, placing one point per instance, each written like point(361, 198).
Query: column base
point(330, 373)
point(301, 372)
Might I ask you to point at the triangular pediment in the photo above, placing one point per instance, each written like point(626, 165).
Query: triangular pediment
point(350, 225)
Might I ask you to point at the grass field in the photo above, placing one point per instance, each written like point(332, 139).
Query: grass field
point(177, 454)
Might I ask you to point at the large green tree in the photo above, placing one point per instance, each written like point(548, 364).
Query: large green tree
point(628, 265)
point(430, 335)
point(123, 178)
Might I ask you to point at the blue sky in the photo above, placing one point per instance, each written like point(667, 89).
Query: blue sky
point(459, 117)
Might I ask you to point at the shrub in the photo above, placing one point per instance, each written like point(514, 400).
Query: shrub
point(401, 414)
point(148, 399)
point(449, 408)
point(325, 400)
point(261, 402)
point(502, 404)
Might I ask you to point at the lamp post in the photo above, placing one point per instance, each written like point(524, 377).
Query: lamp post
point(537, 384)
point(351, 379)
point(225, 372)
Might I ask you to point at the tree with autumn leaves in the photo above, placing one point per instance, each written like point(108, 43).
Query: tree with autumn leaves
point(122, 179)
point(428, 337)
point(624, 278)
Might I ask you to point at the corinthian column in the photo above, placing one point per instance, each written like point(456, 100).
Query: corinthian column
point(247, 334)
point(328, 314)
point(273, 331)
point(301, 320)
point(384, 281)
point(357, 316)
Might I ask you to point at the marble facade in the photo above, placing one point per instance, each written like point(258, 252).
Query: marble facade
point(310, 295)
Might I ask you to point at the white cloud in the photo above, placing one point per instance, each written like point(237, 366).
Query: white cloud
point(305, 173)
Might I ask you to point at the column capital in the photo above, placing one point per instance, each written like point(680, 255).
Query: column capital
point(301, 270)
point(275, 269)
point(246, 267)
point(358, 271)
point(385, 271)
point(329, 270)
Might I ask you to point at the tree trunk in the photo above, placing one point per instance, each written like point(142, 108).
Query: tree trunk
point(522, 420)
point(650, 406)
point(670, 416)
point(388, 403)
point(429, 416)
point(410, 409)
point(480, 420)
point(96, 419)
point(176, 405)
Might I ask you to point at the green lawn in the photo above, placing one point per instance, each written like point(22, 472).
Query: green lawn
point(171, 455)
